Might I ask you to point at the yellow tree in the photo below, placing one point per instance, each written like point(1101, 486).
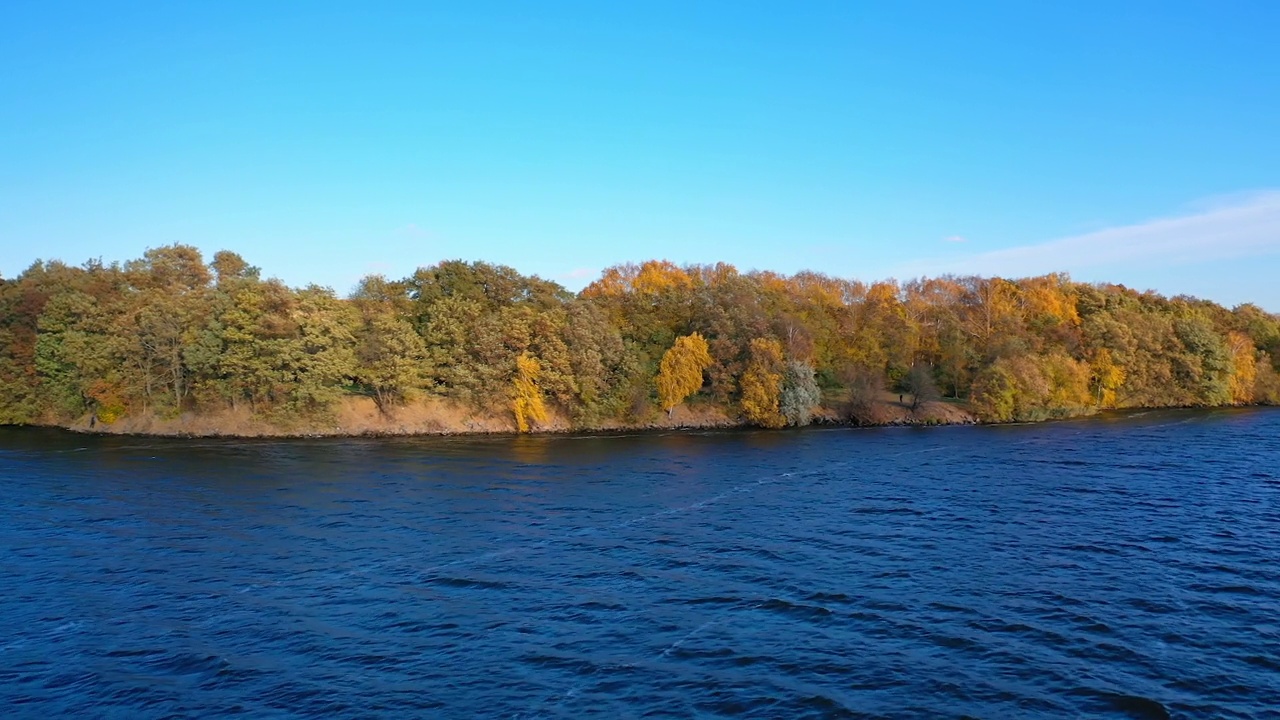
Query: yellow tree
point(1108, 376)
point(1244, 367)
point(1068, 384)
point(761, 384)
point(527, 402)
point(990, 313)
point(680, 372)
point(660, 276)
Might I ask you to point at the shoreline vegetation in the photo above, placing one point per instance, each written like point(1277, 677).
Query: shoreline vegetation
point(171, 345)
point(360, 417)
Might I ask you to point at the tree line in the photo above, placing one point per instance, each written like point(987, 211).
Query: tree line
point(169, 334)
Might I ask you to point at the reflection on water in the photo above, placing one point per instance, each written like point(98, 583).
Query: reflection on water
point(1123, 566)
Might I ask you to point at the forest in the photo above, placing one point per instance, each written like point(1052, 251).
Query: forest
point(170, 334)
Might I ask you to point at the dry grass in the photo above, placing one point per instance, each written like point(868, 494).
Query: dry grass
point(436, 416)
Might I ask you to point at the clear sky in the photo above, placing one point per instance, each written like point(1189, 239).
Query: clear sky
point(1137, 142)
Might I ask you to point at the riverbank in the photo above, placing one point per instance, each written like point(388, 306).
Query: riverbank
point(360, 416)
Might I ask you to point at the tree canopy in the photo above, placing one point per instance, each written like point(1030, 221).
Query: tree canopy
point(680, 372)
point(168, 334)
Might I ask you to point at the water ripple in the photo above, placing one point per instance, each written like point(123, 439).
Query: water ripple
point(1121, 567)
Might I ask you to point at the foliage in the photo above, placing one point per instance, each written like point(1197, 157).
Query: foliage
point(1266, 386)
point(1244, 368)
point(800, 393)
point(995, 394)
point(680, 372)
point(761, 384)
point(921, 385)
point(167, 334)
point(1107, 378)
point(864, 386)
point(526, 395)
point(390, 356)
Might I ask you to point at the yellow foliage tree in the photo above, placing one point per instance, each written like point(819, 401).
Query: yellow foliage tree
point(527, 402)
point(1107, 377)
point(1050, 297)
point(1244, 368)
point(658, 276)
point(680, 372)
point(990, 308)
point(761, 384)
point(1068, 383)
point(653, 277)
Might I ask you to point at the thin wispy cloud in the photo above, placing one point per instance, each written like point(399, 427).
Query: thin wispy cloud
point(954, 239)
point(577, 274)
point(412, 230)
point(1242, 226)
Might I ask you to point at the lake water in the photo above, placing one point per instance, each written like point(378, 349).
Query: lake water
point(1124, 567)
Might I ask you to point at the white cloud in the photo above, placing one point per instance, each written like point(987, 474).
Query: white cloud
point(1240, 226)
point(954, 239)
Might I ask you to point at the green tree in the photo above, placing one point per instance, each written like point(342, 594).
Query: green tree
point(68, 353)
point(800, 393)
point(602, 368)
point(390, 356)
point(995, 394)
point(320, 358)
point(1204, 367)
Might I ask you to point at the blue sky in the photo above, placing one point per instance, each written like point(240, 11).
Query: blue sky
point(1134, 142)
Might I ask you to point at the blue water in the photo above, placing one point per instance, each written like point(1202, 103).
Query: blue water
point(1124, 567)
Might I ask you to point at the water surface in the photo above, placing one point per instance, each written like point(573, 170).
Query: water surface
point(1124, 567)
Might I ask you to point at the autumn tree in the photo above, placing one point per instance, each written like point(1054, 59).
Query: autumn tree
point(1107, 378)
point(680, 372)
point(600, 364)
point(729, 311)
point(651, 304)
point(527, 402)
point(995, 394)
point(761, 384)
point(1030, 387)
point(22, 302)
point(935, 306)
point(166, 333)
point(1244, 368)
point(990, 314)
point(228, 267)
point(78, 354)
point(1266, 386)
